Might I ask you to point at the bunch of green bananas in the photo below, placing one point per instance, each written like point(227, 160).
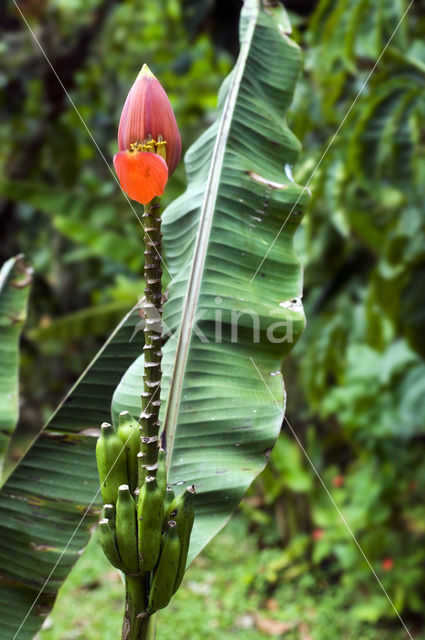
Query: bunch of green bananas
point(145, 529)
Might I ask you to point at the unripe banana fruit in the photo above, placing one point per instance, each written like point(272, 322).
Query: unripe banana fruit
point(141, 470)
point(165, 573)
point(109, 513)
point(129, 433)
point(108, 543)
point(168, 498)
point(126, 530)
point(150, 516)
point(181, 511)
point(131, 531)
point(111, 463)
point(161, 474)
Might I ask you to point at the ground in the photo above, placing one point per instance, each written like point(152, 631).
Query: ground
point(228, 594)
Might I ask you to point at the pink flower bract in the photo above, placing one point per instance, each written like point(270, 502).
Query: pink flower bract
point(147, 112)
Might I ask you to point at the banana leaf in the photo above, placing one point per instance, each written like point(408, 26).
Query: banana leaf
point(50, 501)
point(219, 414)
point(15, 284)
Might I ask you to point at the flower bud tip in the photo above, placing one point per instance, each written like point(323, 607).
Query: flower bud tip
point(145, 72)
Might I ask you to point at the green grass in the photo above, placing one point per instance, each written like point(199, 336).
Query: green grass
point(230, 592)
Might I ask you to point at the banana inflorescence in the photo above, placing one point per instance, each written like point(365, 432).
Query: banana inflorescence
point(145, 530)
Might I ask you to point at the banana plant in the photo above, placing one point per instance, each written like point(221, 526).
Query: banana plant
point(230, 317)
point(233, 311)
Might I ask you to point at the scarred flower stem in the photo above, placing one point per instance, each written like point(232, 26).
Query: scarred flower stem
point(151, 402)
point(136, 625)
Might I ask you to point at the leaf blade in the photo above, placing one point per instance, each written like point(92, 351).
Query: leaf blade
point(49, 501)
point(15, 283)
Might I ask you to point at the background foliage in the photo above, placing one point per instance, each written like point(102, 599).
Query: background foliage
point(356, 380)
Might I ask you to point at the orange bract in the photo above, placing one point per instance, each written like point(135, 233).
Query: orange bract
point(142, 175)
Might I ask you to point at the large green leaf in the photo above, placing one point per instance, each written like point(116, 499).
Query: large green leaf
point(15, 283)
point(231, 325)
point(49, 502)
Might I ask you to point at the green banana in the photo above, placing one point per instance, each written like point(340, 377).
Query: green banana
point(109, 513)
point(161, 474)
point(126, 529)
point(141, 470)
point(150, 515)
point(108, 543)
point(168, 498)
point(180, 504)
point(111, 463)
point(165, 573)
point(129, 432)
point(181, 511)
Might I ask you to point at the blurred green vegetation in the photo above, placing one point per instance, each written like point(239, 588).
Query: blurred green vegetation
point(356, 383)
